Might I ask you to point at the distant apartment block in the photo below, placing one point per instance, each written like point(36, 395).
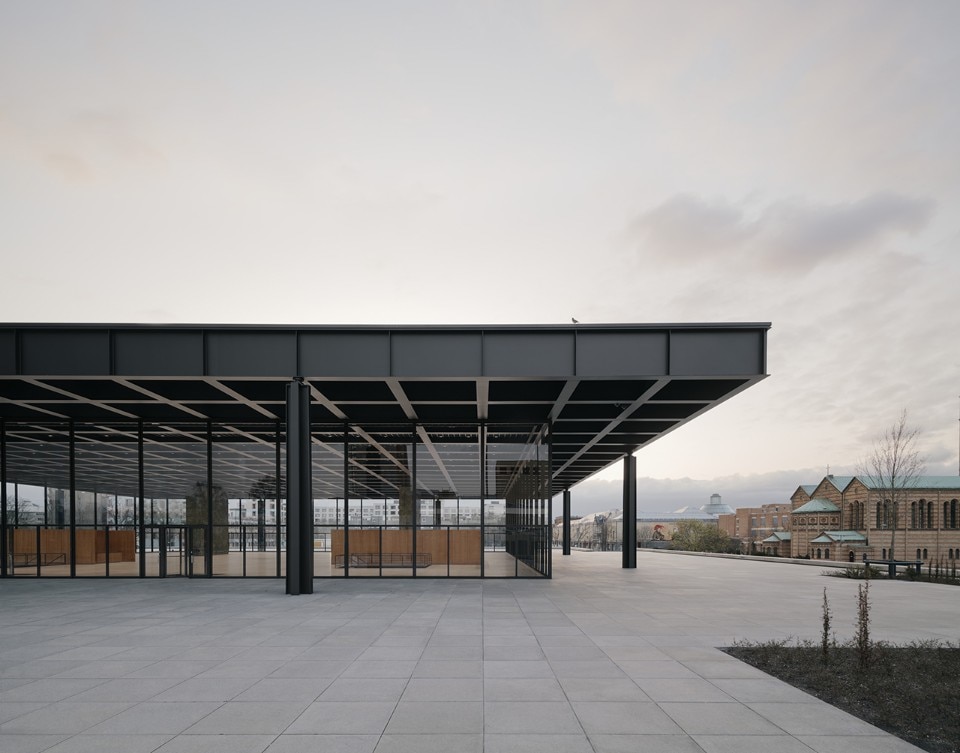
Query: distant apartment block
point(753, 526)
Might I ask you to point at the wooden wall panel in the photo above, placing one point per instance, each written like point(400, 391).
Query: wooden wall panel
point(91, 545)
point(464, 544)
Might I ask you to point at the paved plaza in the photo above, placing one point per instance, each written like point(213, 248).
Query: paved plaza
point(597, 659)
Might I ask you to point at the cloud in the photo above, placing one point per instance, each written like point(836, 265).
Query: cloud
point(778, 93)
point(800, 235)
point(792, 235)
point(686, 227)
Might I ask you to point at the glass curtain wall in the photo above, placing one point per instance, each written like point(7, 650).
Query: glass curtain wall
point(39, 535)
point(379, 536)
point(328, 495)
point(208, 499)
point(517, 478)
point(107, 483)
point(175, 477)
point(249, 515)
point(449, 484)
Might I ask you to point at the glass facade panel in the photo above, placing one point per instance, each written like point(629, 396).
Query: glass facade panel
point(328, 507)
point(449, 484)
point(517, 471)
point(391, 501)
point(38, 463)
point(107, 493)
point(247, 530)
point(175, 471)
point(381, 472)
point(27, 504)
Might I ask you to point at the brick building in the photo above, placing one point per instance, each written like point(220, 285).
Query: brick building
point(848, 518)
point(754, 526)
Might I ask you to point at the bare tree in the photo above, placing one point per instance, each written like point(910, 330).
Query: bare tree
point(892, 470)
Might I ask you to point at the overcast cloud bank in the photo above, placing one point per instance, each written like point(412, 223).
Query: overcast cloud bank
point(514, 161)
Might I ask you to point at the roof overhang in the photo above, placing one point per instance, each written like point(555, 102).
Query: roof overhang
point(602, 391)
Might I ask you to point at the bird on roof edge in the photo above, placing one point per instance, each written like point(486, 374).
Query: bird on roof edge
point(575, 321)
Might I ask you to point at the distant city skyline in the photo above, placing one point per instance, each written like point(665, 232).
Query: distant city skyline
point(517, 162)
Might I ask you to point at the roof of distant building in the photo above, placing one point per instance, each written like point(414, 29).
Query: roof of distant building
point(595, 518)
point(666, 517)
point(920, 482)
point(839, 537)
point(817, 504)
point(840, 482)
point(777, 536)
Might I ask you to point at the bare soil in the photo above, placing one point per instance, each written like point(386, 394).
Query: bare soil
point(911, 691)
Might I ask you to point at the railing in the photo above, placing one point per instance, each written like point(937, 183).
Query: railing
point(379, 559)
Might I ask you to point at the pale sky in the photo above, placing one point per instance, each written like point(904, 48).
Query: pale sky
point(515, 162)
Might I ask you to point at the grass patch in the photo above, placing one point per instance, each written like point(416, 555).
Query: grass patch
point(911, 691)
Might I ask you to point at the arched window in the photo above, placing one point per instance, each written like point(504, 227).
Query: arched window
point(924, 553)
point(879, 515)
point(826, 553)
point(913, 515)
point(884, 556)
point(918, 554)
point(953, 513)
point(818, 553)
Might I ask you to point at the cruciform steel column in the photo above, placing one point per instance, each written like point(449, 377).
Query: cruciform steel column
point(299, 491)
point(629, 511)
point(566, 521)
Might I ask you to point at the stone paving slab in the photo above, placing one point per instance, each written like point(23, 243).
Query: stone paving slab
point(598, 659)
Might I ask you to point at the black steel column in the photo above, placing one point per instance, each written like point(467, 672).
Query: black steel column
point(73, 500)
point(208, 533)
point(548, 544)
point(566, 521)
point(299, 491)
point(414, 492)
point(483, 496)
point(279, 492)
point(629, 511)
point(142, 535)
point(346, 501)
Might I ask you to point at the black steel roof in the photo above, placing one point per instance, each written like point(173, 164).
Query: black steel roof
point(603, 390)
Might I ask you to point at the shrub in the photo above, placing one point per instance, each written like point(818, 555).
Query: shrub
point(697, 536)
